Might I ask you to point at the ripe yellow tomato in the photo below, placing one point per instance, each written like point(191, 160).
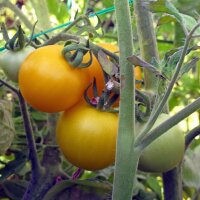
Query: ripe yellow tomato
point(165, 152)
point(48, 83)
point(87, 137)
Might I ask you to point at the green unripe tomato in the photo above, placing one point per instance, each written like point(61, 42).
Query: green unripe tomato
point(165, 152)
point(10, 61)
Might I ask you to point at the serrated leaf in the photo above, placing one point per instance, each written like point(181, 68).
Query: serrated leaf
point(171, 63)
point(15, 188)
point(109, 67)
point(191, 173)
point(188, 66)
point(7, 130)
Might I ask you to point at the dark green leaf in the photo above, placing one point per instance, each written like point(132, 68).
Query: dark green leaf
point(166, 19)
point(109, 67)
point(15, 188)
point(188, 66)
point(82, 188)
point(152, 182)
point(13, 166)
point(165, 6)
point(39, 116)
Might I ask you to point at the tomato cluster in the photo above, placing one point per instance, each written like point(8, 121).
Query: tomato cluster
point(85, 135)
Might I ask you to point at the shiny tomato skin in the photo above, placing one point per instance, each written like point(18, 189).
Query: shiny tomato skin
point(47, 81)
point(87, 137)
point(10, 61)
point(165, 152)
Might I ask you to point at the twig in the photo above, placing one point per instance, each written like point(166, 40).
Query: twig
point(35, 164)
point(9, 87)
point(153, 118)
point(165, 126)
point(191, 135)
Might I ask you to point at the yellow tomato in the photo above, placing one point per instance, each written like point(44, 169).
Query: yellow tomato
point(87, 137)
point(48, 83)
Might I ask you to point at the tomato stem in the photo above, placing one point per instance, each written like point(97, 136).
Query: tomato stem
point(127, 157)
point(162, 128)
point(147, 42)
point(162, 103)
point(35, 164)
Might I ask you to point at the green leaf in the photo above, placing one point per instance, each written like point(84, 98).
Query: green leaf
point(166, 19)
point(189, 22)
point(15, 188)
point(172, 61)
point(58, 9)
point(164, 6)
point(109, 67)
point(152, 182)
point(191, 173)
point(188, 66)
point(161, 6)
point(39, 116)
point(82, 188)
point(13, 166)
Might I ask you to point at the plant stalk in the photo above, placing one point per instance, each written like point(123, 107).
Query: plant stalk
point(162, 103)
point(147, 42)
point(172, 121)
point(35, 164)
point(172, 184)
point(126, 156)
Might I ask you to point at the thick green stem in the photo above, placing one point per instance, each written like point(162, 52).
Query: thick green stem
point(172, 121)
point(126, 157)
point(147, 42)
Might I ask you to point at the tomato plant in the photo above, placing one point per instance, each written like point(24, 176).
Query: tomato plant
point(87, 136)
point(165, 152)
point(95, 69)
point(10, 61)
point(48, 83)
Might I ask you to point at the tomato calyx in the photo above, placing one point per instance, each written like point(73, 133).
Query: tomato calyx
point(74, 52)
point(18, 41)
point(103, 102)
